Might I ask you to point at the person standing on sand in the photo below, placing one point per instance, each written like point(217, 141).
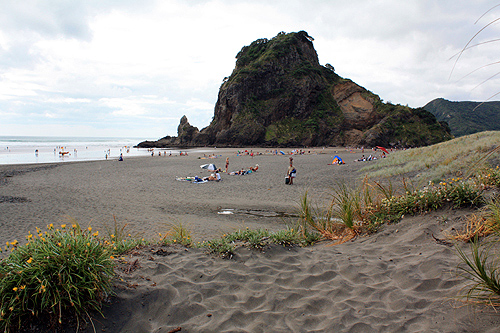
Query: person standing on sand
point(227, 163)
point(291, 172)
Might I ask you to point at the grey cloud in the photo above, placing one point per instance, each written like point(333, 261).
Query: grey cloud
point(52, 18)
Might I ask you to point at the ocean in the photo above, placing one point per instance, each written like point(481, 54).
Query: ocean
point(38, 149)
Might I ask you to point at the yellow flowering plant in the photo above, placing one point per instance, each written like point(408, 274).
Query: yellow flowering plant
point(66, 271)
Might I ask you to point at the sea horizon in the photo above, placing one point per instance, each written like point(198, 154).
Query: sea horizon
point(24, 149)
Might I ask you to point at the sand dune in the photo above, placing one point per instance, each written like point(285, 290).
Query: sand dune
point(399, 280)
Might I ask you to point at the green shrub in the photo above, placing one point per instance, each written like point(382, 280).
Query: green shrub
point(254, 238)
point(465, 194)
point(287, 237)
point(58, 271)
point(489, 177)
point(456, 191)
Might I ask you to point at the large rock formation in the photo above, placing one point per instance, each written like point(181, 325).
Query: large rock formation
point(279, 95)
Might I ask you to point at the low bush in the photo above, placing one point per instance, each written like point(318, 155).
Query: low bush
point(458, 192)
point(219, 247)
point(56, 272)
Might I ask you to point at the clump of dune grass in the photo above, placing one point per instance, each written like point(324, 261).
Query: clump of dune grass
point(491, 213)
point(60, 271)
point(339, 221)
point(488, 177)
point(373, 203)
point(458, 192)
point(177, 234)
point(481, 269)
point(254, 238)
point(119, 240)
point(475, 226)
point(287, 237)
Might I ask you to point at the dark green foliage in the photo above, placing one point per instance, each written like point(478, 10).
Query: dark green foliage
point(252, 52)
point(408, 127)
point(304, 69)
point(466, 117)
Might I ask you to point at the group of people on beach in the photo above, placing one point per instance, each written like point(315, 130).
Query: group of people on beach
point(290, 174)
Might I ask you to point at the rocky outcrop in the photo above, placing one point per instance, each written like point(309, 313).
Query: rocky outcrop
point(279, 95)
point(186, 132)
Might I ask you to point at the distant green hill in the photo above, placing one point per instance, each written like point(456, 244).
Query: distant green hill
point(463, 119)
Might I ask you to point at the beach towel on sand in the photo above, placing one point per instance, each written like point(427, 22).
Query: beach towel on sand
point(193, 180)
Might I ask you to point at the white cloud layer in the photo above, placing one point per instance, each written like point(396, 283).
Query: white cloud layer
point(128, 68)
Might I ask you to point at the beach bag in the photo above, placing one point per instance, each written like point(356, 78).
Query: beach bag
point(287, 180)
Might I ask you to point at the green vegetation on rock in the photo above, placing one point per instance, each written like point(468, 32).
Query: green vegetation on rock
point(279, 94)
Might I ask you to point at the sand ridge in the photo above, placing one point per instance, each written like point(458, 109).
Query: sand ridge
point(399, 280)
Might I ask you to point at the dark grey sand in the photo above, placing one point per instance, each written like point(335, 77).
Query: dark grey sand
point(397, 280)
point(143, 193)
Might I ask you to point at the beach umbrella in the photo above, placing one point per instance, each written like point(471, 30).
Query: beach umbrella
point(383, 149)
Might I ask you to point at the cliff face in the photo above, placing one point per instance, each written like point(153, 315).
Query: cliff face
point(279, 95)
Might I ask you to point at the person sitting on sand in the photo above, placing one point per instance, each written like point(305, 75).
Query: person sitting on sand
point(119, 158)
point(255, 168)
point(212, 177)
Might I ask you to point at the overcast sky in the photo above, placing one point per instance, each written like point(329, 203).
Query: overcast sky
point(134, 68)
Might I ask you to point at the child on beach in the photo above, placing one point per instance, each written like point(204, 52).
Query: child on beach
point(291, 172)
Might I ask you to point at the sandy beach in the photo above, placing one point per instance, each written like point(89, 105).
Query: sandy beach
point(398, 280)
point(143, 192)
